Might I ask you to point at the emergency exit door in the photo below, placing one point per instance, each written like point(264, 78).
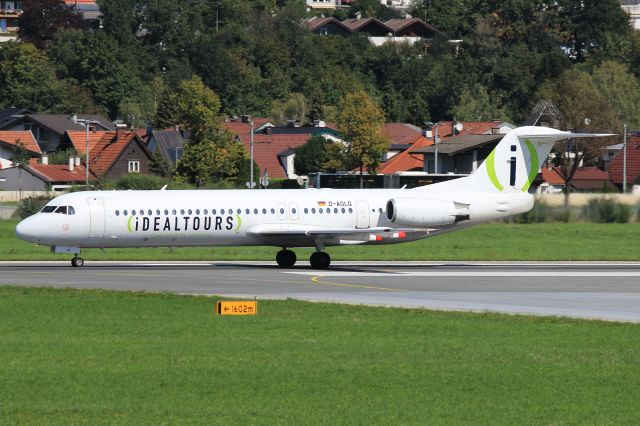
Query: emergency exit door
point(97, 217)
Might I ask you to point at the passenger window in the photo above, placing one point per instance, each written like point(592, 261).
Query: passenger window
point(157, 212)
point(149, 212)
point(126, 213)
point(198, 212)
point(190, 212)
point(213, 211)
point(246, 211)
point(273, 211)
point(343, 210)
point(206, 212)
point(166, 212)
point(71, 210)
point(320, 210)
point(173, 212)
point(335, 210)
point(117, 212)
point(306, 210)
point(255, 211)
point(238, 211)
point(48, 209)
point(264, 211)
point(222, 211)
point(313, 211)
point(182, 211)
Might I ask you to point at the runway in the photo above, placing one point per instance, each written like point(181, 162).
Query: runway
point(608, 291)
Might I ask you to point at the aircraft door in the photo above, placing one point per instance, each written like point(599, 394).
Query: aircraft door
point(362, 209)
point(293, 211)
point(97, 217)
point(282, 211)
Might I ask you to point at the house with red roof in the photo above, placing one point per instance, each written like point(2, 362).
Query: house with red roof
point(118, 153)
point(617, 165)
point(462, 146)
point(408, 160)
point(10, 140)
point(401, 136)
point(43, 177)
point(585, 179)
point(274, 146)
point(77, 139)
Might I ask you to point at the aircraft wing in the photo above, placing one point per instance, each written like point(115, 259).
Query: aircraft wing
point(298, 233)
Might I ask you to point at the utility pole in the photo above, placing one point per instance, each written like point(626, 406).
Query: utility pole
point(87, 123)
point(435, 143)
point(251, 185)
point(624, 161)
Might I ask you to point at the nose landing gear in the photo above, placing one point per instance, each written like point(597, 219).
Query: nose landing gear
point(77, 262)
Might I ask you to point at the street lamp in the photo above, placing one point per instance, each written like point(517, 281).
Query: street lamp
point(87, 123)
point(251, 155)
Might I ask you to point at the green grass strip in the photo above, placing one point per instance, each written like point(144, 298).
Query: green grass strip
point(499, 241)
point(93, 357)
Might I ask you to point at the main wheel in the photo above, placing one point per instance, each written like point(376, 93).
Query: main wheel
point(77, 262)
point(320, 260)
point(286, 258)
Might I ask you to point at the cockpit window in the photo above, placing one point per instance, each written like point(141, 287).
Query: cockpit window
point(62, 210)
point(48, 209)
point(71, 210)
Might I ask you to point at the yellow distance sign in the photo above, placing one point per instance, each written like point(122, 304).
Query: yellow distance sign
point(237, 308)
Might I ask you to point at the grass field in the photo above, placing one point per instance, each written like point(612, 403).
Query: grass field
point(90, 357)
point(499, 241)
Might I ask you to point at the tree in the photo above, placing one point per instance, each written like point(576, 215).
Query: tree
point(19, 154)
point(159, 165)
point(476, 105)
point(296, 108)
point(211, 153)
point(621, 89)
point(360, 121)
point(27, 78)
point(318, 155)
point(41, 19)
point(584, 109)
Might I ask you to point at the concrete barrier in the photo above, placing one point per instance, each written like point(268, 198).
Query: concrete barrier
point(6, 212)
point(582, 199)
point(16, 195)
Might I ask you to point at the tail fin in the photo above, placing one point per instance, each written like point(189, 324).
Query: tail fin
point(514, 163)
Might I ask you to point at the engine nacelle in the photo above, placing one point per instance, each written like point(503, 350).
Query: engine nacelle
point(424, 212)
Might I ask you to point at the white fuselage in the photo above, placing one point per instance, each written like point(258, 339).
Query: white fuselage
point(247, 217)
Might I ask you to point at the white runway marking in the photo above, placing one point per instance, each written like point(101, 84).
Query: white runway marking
point(541, 274)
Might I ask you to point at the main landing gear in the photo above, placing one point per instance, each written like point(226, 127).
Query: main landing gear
point(320, 260)
point(77, 262)
point(287, 258)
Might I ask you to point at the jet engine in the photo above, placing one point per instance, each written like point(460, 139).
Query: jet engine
point(425, 212)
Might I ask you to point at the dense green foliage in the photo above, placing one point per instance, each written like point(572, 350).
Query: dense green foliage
point(260, 59)
point(90, 356)
point(29, 206)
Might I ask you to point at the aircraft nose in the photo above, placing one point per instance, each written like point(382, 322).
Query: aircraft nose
point(24, 231)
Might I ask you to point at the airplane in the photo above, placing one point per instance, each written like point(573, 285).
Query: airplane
point(317, 218)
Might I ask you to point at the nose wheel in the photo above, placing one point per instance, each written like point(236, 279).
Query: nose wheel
point(77, 262)
point(286, 258)
point(320, 260)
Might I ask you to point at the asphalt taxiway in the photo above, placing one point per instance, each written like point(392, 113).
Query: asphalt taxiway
point(609, 291)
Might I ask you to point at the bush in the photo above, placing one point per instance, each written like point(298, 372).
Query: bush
point(31, 205)
point(605, 210)
point(538, 214)
point(136, 181)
